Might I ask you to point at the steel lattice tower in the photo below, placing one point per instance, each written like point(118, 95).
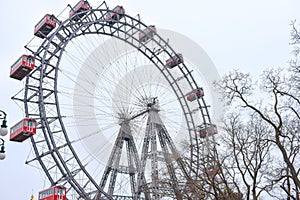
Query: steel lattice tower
point(159, 152)
point(113, 168)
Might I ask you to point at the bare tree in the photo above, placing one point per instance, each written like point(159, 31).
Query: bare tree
point(259, 151)
point(247, 148)
point(278, 108)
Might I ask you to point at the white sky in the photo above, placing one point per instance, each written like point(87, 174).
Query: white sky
point(250, 35)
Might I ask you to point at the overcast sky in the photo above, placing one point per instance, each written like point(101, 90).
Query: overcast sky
point(249, 35)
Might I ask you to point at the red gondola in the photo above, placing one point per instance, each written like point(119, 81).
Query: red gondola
point(23, 130)
point(81, 6)
point(212, 171)
point(197, 93)
point(117, 14)
point(45, 26)
point(22, 67)
point(211, 130)
point(174, 61)
point(147, 33)
point(53, 193)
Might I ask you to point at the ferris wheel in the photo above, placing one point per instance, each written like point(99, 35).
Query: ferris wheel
point(119, 112)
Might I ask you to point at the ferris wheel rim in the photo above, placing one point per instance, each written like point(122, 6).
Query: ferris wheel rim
point(43, 113)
